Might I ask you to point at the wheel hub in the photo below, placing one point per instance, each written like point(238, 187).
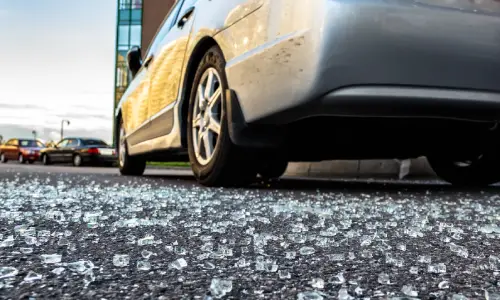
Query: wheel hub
point(207, 112)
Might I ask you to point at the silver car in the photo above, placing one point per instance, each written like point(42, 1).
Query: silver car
point(242, 87)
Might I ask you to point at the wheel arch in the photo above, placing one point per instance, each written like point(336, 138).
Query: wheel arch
point(118, 119)
point(192, 66)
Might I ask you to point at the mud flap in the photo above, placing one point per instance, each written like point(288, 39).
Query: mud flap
point(243, 135)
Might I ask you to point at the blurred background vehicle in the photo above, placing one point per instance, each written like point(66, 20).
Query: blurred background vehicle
point(23, 150)
point(80, 151)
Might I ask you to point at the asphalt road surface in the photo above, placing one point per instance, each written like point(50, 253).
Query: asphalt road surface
point(69, 233)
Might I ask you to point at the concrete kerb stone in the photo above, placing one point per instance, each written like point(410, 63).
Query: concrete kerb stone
point(363, 169)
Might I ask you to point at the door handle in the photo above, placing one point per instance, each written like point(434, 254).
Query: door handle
point(187, 14)
point(148, 60)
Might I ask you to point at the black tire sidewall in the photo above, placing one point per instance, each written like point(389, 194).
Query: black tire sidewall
point(479, 173)
point(212, 59)
point(131, 165)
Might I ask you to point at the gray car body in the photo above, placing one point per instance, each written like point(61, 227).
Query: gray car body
point(289, 60)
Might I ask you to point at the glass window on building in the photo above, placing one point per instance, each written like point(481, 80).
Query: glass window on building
point(135, 35)
point(130, 4)
point(123, 35)
point(136, 4)
point(136, 17)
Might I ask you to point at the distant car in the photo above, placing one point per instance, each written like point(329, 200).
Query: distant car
point(23, 150)
point(242, 87)
point(79, 151)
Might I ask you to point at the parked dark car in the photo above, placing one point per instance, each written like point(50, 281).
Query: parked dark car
point(80, 151)
point(23, 150)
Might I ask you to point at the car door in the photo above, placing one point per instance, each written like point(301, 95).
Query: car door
point(56, 154)
point(166, 58)
point(70, 149)
point(11, 149)
point(135, 114)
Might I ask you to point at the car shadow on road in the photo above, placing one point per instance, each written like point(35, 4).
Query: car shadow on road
point(371, 185)
point(346, 185)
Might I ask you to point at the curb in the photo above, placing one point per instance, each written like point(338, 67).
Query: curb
point(418, 167)
point(361, 169)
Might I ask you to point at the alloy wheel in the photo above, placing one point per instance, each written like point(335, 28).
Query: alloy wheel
point(77, 160)
point(207, 116)
point(21, 158)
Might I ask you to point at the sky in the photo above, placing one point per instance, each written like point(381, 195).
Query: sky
point(57, 62)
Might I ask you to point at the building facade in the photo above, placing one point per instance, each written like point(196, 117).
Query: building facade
point(137, 24)
point(128, 34)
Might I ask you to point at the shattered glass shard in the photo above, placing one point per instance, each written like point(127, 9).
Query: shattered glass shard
point(32, 276)
point(409, 290)
point(317, 283)
point(283, 274)
point(437, 268)
point(6, 272)
point(51, 258)
point(307, 250)
point(179, 264)
point(309, 295)
point(121, 260)
point(58, 271)
point(383, 278)
point(143, 265)
point(220, 287)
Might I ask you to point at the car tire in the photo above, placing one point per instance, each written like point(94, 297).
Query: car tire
point(3, 158)
point(481, 172)
point(218, 162)
point(128, 165)
point(273, 169)
point(77, 160)
point(21, 159)
point(46, 159)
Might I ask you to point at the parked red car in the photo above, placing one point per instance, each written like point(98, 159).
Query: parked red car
point(23, 150)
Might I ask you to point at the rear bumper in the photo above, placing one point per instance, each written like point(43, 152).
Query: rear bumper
point(439, 52)
point(100, 159)
point(31, 157)
point(398, 102)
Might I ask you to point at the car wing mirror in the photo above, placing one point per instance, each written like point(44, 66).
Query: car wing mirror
point(134, 60)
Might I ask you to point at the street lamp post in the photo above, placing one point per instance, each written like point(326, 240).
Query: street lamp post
point(62, 127)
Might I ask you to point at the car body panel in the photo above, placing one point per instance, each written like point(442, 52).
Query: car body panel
point(167, 73)
point(334, 44)
point(284, 54)
point(135, 109)
point(164, 75)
